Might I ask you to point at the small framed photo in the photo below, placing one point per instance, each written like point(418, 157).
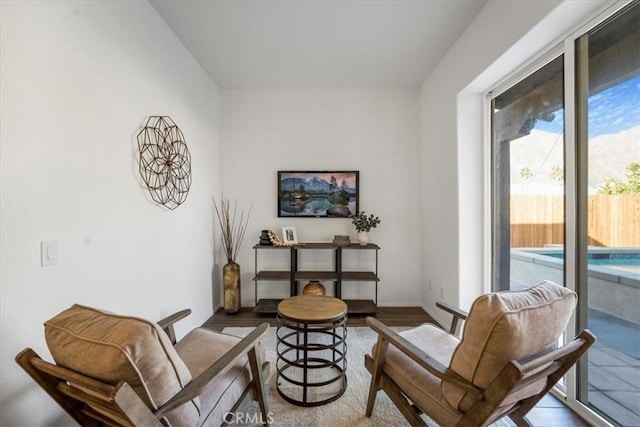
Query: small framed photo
point(289, 236)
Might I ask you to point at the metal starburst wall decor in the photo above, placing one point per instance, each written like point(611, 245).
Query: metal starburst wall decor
point(165, 161)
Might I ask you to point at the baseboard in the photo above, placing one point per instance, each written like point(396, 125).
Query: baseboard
point(435, 317)
point(399, 304)
point(251, 304)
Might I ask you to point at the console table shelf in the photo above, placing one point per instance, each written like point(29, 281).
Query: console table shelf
point(315, 275)
point(336, 275)
point(272, 275)
point(354, 306)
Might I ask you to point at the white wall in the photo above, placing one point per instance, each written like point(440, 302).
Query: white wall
point(375, 131)
point(78, 81)
point(452, 150)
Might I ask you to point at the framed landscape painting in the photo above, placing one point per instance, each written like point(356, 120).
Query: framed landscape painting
point(318, 194)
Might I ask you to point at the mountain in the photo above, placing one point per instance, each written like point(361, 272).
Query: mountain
point(317, 185)
point(536, 158)
point(314, 185)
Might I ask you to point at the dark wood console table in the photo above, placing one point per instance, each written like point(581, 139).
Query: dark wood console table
point(337, 275)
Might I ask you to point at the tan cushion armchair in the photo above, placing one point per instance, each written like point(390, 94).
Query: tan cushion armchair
point(121, 370)
point(506, 361)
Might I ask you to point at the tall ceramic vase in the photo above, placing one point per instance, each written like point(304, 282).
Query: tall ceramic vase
point(231, 279)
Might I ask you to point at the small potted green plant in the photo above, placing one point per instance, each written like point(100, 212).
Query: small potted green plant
point(364, 223)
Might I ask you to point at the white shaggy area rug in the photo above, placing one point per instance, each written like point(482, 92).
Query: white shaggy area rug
point(349, 409)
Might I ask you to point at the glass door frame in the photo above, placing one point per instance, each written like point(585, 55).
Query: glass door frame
point(576, 172)
point(491, 204)
point(575, 193)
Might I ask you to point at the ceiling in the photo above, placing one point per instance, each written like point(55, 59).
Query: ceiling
point(318, 43)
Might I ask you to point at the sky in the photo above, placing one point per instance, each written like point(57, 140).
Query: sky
point(610, 111)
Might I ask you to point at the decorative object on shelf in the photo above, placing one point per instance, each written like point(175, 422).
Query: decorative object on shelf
point(364, 224)
point(265, 239)
point(363, 238)
point(275, 240)
point(341, 240)
point(300, 193)
point(289, 235)
point(314, 288)
point(232, 233)
point(165, 161)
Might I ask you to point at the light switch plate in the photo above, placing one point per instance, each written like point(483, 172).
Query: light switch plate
point(48, 252)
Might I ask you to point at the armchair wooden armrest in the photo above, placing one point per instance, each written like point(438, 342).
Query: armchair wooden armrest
point(197, 385)
point(103, 405)
point(167, 323)
point(516, 363)
point(456, 313)
point(104, 396)
point(387, 335)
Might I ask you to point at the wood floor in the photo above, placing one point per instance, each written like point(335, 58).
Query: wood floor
point(391, 316)
point(550, 412)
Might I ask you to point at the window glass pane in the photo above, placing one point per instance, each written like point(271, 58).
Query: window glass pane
point(613, 215)
point(528, 180)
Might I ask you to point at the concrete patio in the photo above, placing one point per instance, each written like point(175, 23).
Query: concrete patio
point(614, 368)
point(613, 316)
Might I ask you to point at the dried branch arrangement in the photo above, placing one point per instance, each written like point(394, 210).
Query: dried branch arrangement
point(232, 228)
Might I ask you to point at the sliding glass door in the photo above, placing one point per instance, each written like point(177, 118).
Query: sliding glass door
point(583, 231)
point(528, 180)
point(608, 151)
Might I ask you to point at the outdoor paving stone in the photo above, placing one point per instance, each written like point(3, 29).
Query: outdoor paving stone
point(601, 357)
point(606, 381)
point(630, 400)
point(615, 332)
point(629, 360)
point(628, 374)
point(614, 384)
point(607, 405)
point(614, 369)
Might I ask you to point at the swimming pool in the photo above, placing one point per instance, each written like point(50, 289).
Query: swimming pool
point(613, 276)
point(619, 259)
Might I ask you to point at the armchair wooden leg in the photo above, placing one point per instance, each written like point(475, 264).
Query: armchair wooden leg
point(258, 384)
point(520, 420)
point(410, 412)
point(376, 373)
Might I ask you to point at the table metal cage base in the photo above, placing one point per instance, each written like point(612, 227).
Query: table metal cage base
point(312, 361)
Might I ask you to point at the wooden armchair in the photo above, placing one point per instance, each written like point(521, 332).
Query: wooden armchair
point(506, 361)
point(126, 371)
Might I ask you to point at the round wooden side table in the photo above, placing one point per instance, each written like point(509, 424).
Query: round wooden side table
point(312, 349)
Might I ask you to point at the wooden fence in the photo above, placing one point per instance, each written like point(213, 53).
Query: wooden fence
point(537, 220)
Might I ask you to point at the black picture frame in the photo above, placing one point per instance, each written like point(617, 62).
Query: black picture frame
point(318, 194)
